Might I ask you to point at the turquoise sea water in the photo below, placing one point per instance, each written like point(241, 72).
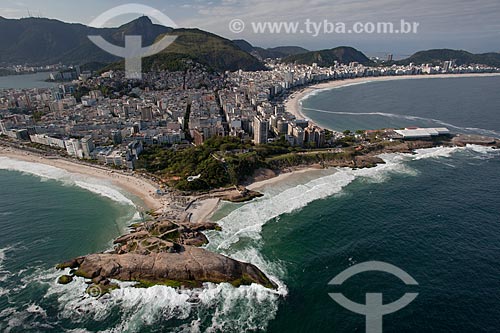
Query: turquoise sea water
point(434, 214)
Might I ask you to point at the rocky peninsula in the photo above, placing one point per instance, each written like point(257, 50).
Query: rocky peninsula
point(164, 252)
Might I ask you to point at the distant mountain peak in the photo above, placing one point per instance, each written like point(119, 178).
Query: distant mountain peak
point(140, 22)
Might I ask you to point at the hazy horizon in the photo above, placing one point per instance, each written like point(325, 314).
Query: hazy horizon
point(477, 31)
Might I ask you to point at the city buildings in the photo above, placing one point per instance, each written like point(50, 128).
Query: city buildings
point(114, 128)
point(261, 130)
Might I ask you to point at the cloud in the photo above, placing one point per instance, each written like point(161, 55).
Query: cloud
point(12, 12)
point(439, 20)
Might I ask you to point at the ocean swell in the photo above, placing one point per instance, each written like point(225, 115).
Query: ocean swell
point(221, 307)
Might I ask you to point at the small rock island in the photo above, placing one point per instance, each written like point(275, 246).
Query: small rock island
point(162, 252)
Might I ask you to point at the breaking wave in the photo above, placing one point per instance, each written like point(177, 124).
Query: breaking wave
point(217, 307)
point(3, 274)
point(43, 171)
point(2, 256)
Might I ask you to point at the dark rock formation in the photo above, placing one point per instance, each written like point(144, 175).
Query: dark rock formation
point(190, 267)
point(163, 252)
point(65, 279)
point(464, 139)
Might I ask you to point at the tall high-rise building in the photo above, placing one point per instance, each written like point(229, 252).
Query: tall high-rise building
point(260, 130)
point(87, 146)
point(74, 148)
point(147, 114)
point(116, 136)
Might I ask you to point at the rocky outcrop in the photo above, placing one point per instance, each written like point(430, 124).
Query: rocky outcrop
point(242, 195)
point(163, 252)
point(367, 161)
point(189, 267)
point(466, 139)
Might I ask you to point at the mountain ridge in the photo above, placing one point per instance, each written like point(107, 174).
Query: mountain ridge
point(41, 41)
point(327, 57)
point(274, 52)
point(462, 57)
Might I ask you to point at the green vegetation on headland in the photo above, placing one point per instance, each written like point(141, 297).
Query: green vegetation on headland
point(153, 252)
point(221, 162)
point(228, 161)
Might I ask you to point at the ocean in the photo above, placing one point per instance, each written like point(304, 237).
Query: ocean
point(434, 215)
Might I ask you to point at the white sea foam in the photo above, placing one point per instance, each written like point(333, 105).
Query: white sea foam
point(222, 307)
point(247, 221)
point(435, 152)
point(36, 309)
point(483, 149)
point(2, 258)
point(43, 171)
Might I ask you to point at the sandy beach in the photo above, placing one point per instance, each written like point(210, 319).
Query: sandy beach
point(294, 103)
point(139, 187)
point(202, 207)
point(172, 207)
point(282, 177)
point(202, 210)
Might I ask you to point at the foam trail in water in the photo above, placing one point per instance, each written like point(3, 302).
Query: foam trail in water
point(436, 152)
point(222, 307)
point(247, 221)
point(218, 307)
point(2, 255)
point(3, 274)
point(49, 172)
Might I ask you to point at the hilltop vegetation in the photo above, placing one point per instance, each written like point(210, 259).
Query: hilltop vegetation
point(40, 41)
point(438, 56)
point(274, 52)
point(227, 161)
point(210, 50)
point(221, 162)
point(326, 58)
point(47, 41)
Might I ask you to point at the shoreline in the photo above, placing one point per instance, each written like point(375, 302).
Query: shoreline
point(201, 207)
point(283, 177)
point(199, 210)
point(130, 184)
point(293, 104)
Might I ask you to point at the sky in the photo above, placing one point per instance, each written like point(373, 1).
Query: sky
point(472, 25)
